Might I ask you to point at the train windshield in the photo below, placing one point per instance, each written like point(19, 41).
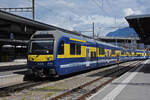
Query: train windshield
point(42, 47)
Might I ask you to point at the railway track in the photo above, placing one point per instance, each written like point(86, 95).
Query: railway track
point(85, 90)
point(6, 91)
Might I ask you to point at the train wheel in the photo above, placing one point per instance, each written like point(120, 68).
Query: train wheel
point(28, 77)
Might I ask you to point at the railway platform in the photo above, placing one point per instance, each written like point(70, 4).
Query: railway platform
point(13, 63)
point(12, 66)
point(133, 85)
point(12, 72)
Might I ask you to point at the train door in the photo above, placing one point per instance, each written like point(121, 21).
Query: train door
point(87, 57)
point(97, 56)
point(107, 55)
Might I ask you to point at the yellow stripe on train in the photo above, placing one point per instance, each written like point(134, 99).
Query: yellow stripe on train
point(40, 58)
point(73, 39)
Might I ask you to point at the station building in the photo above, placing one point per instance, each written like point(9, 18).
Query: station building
point(141, 24)
point(15, 32)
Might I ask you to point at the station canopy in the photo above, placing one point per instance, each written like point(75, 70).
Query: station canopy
point(141, 24)
point(21, 27)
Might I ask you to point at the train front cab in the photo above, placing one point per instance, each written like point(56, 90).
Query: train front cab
point(41, 55)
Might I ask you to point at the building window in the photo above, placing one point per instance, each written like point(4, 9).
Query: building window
point(61, 48)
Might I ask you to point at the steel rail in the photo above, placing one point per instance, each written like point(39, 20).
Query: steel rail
point(84, 96)
point(5, 91)
point(69, 92)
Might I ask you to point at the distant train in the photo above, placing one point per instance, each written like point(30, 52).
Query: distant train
point(56, 53)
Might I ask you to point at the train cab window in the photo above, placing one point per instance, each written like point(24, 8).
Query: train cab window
point(41, 47)
point(43, 36)
point(72, 48)
point(61, 48)
point(101, 51)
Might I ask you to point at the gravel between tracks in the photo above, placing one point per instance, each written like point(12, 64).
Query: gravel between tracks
point(53, 88)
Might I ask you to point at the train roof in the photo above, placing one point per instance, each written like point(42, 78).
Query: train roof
point(79, 36)
point(90, 39)
point(82, 37)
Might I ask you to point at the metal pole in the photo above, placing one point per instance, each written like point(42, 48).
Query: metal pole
point(93, 29)
point(33, 13)
point(116, 42)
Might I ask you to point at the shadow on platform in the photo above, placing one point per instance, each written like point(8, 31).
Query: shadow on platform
point(145, 68)
point(100, 73)
point(20, 72)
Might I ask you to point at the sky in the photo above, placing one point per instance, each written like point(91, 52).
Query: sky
point(78, 15)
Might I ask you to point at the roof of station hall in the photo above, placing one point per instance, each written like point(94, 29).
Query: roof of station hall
point(141, 24)
point(8, 19)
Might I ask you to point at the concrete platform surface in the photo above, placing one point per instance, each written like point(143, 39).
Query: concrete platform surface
point(12, 72)
point(11, 79)
point(133, 85)
point(14, 67)
point(13, 63)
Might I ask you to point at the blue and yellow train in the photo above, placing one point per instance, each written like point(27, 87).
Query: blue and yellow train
point(56, 53)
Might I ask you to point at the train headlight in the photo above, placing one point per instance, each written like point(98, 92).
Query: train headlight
point(49, 58)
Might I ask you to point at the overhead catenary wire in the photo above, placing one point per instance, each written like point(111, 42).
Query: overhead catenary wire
point(100, 7)
point(50, 10)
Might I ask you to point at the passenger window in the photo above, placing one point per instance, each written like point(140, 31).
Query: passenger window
point(61, 48)
point(78, 49)
point(101, 51)
point(122, 52)
point(93, 56)
point(72, 48)
point(113, 52)
point(75, 49)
